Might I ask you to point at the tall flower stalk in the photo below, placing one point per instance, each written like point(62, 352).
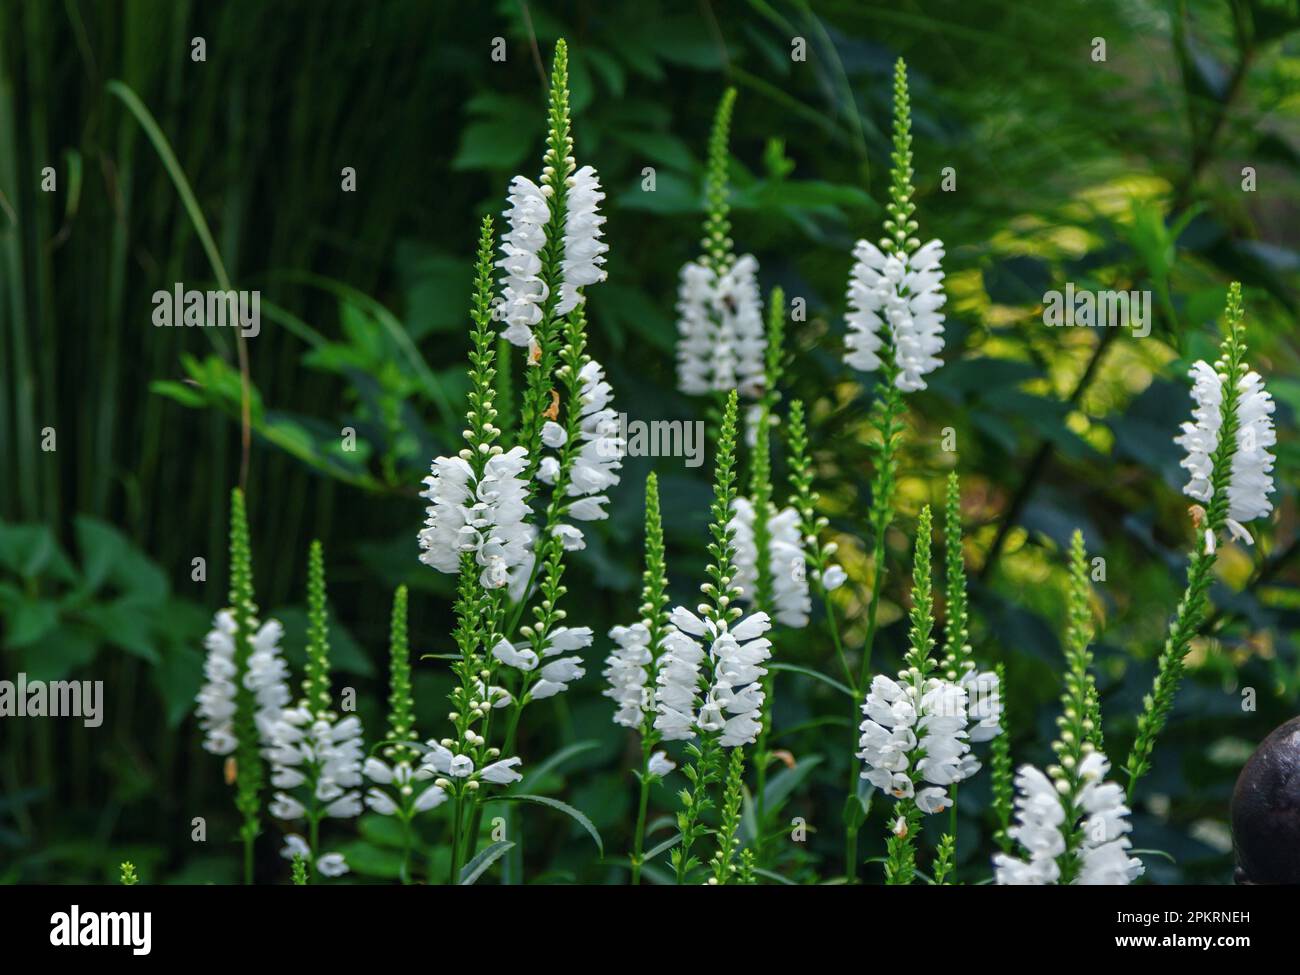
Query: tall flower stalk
point(1071, 823)
point(639, 650)
point(720, 344)
point(1227, 445)
point(722, 681)
point(316, 754)
point(244, 687)
point(896, 329)
point(914, 737)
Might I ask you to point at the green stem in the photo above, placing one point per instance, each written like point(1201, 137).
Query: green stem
point(643, 804)
point(454, 874)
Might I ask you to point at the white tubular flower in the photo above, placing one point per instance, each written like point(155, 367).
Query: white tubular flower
point(502, 772)
point(267, 677)
point(332, 865)
point(678, 685)
point(722, 339)
point(734, 704)
point(791, 601)
point(329, 865)
point(485, 516)
point(626, 669)
point(695, 329)
point(906, 293)
point(833, 577)
point(583, 249)
point(523, 291)
point(597, 466)
point(403, 792)
point(1103, 854)
point(556, 677)
point(1041, 827)
point(660, 764)
point(902, 722)
point(323, 753)
point(1251, 480)
point(1039, 819)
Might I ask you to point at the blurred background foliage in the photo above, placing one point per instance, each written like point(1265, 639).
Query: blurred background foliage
point(1124, 173)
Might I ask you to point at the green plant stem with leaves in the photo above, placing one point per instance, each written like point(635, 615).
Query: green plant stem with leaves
point(1074, 741)
point(1194, 608)
point(760, 495)
point(247, 758)
point(654, 616)
point(705, 766)
point(887, 412)
point(900, 851)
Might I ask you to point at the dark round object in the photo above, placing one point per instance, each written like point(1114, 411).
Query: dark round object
point(1266, 811)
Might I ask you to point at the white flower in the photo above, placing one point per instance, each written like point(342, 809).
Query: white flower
point(266, 676)
point(678, 681)
point(484, 515)
point(1103, 854)
point(785, 558)
point(295, 845)
point(833, 577)
point(1251, 479)
point(583, 249)
point(402, 779)
point(599, 457)
point(523, 291)
point(660, 764)
point(905, 292)
point(1041, 826)
point(627, 670)
point(324, 753)
point(332, 865)
point(984, 704)
point(520, 657)
point(734, 703)
point(901, 721)
point(502, 772)
point(722, 340)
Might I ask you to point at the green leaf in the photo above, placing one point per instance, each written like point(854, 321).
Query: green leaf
point(58, 653)
point(475, 868)
point(101, 546)
point(30, 620)
point(816, 675)
point(663, 847)
point(125, 627)
point(781, 785)
point(565, 808)
point(540, 771)
point(30, 550)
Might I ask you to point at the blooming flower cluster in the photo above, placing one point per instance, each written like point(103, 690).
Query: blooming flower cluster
point(522, 288)
point(1252, 464)
point(627, 668)
point(583, 249)
point(406, 780)
point(903, 292)
point(485, 515)
point(444, 764)
point(323, 751)
point(524, 292)
point(1044, 820)
point(554, 677)
point(720, 324)
point(734, 701)
point(267, 677)
point(598, 461)
point(914, 735)
point(785, 557)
